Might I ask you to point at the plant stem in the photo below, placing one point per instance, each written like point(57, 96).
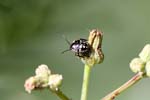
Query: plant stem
point(85, 83)
point(125, 86)
point(60, 94)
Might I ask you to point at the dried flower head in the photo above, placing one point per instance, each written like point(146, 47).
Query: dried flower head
point(95, 41)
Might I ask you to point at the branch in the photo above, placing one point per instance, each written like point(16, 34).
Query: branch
point(125, 86)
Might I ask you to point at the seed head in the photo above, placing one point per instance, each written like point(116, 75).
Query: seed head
point(95, 41)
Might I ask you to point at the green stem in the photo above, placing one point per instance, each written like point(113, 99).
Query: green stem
point(60, 94)
point(85, 83)
point(131, 82)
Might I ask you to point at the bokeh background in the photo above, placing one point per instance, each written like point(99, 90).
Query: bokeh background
point(31, 33)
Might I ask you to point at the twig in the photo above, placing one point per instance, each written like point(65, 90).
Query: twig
point(125, 86)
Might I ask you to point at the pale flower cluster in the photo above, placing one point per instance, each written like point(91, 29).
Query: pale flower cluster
point(43, 79)
point(142, 63)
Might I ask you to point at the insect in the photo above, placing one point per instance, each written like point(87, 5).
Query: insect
point(80, 47)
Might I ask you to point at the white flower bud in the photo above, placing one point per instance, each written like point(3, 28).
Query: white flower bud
point(42, 70)
point(137, 65)
point(145, 53)
point(55, 81)
point(147, 68)
point(30, 84)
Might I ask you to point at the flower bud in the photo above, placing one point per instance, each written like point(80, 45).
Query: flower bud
point(145, 53)
point(147, 68)
point(35, 82)
point(30, 84)
point(55, 81)
point(137, 65)
point(40, 80)
point(95, 41)
point(43, 70)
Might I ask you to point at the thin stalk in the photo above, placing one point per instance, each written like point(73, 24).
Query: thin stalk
point(125, 86)
point(85, 83)
point(60, 94)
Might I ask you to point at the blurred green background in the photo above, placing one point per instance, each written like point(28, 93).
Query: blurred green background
point(31, 34)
